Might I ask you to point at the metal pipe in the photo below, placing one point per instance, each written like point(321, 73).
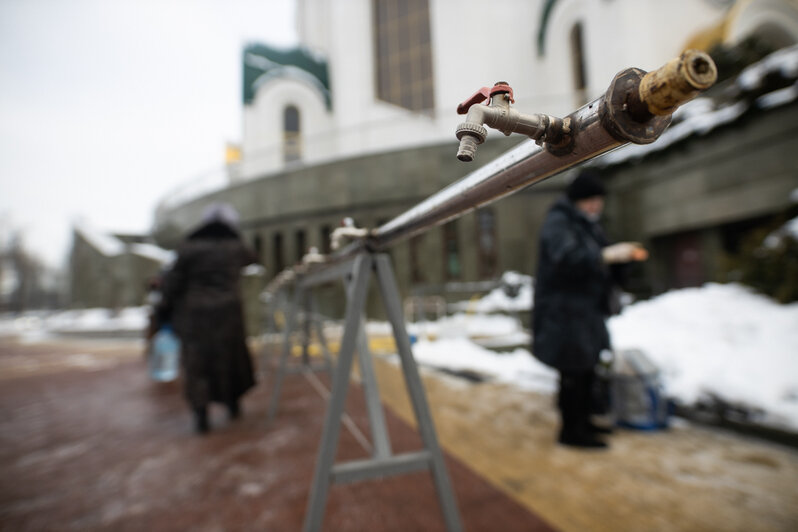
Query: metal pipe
point(619, 116)
point(636, 108)
point(522, 166)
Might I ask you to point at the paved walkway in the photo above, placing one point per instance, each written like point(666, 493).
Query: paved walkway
point(87, 442)
point(688, 478)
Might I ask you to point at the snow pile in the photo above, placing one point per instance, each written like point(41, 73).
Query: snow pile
point(777, 98)
point(788, 230)
point(513, 295)
point(697, 117)
point(720, 339)
point(37, 325)
point(111, 246)
point(462, 355)
point(106, 244)
point(784, 62)
point(463, 325)
point(151, 251)
point(98, 320)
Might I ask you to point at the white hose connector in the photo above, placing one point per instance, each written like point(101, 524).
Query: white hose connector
point(313, 257)
point(347, 233)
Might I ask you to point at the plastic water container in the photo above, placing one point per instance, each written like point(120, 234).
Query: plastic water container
point(165, 355)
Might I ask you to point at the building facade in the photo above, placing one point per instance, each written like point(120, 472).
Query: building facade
point(359, 121)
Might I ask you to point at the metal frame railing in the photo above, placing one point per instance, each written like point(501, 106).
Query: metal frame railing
point(637, 107)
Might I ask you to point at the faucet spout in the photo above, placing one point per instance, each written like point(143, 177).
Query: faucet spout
point(468, 148)
point(499, 115)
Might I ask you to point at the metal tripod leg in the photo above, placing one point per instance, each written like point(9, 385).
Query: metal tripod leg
point(383, 463)
point(335, 406)
point(368, 379)
point(379, 431)
point(415, 388)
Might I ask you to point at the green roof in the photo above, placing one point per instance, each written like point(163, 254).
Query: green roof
point(543, 26)
point(262, 63)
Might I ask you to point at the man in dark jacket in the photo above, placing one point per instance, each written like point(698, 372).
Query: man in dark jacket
point(573, 288)
point(201, 298)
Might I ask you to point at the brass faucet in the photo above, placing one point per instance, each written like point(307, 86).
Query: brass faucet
point(499, 115)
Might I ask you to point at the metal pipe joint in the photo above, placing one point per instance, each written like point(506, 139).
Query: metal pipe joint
point(638, 105)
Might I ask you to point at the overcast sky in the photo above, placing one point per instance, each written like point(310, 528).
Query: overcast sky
point(106, 105)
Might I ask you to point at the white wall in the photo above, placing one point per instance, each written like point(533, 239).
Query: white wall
point(618, 34)
point(312, 24)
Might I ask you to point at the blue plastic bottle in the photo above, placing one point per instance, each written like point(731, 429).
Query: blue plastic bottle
point(165, 356)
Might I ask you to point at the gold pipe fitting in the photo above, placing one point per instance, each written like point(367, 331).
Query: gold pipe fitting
point(677, 82)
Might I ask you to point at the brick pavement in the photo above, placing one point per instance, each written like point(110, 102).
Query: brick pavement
point(97, 446)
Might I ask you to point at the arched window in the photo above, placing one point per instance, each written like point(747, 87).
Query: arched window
point(578, 64)
point(292, 135)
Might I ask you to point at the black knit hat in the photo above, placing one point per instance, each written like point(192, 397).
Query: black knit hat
point(586, 185)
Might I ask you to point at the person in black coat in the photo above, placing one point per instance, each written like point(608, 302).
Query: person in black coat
point(577, 271)
point(201, 298)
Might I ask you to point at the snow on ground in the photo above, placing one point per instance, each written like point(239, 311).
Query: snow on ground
point(723, 340)
point(468, 325)
point(514, 294)
point(37, 325)
point(789, 229)
point(463, 355)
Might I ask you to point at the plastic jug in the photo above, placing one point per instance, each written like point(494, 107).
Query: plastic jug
point(165, 356)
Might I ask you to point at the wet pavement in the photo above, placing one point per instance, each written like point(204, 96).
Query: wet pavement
point(88, 442)
point(687, 478)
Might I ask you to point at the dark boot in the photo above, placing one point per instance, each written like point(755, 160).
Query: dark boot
point(573, 402)
point(233, 409)
point(201, 425)
point(598, 429)
point(584, 441)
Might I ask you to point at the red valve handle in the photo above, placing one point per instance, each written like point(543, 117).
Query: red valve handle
point(478, 97)
point(483, 94)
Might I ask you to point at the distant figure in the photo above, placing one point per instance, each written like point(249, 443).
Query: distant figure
point(577, 270)
point(201, 297)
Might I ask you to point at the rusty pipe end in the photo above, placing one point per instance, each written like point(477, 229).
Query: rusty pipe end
point(677, 82)
point(699, 69)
